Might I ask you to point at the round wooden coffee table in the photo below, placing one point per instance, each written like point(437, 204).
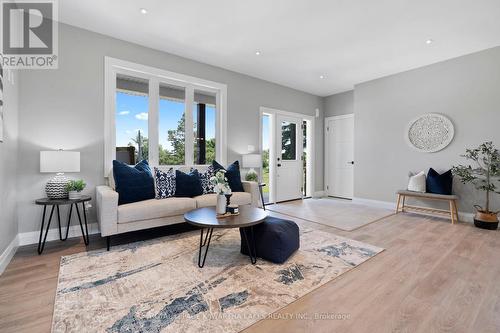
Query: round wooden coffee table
point(206, 218)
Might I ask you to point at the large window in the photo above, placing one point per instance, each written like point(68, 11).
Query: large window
point(163, 117)
point(172, 125)
point(132, 107)
point(204, 119)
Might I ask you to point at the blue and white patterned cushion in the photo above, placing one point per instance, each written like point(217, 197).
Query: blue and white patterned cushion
point(165, 183)
point(205, 180)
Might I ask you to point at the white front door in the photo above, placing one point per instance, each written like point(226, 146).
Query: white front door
point(340, 156)
point(289, 165)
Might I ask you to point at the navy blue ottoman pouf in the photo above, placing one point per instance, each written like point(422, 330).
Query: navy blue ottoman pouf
point(275, 239)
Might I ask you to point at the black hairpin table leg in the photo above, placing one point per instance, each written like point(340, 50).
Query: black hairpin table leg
point(69, 221)
point(41, 244)
point(204, 243)
point(84, 235)
point(252, 249)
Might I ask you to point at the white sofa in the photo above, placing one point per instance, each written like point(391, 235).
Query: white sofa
point(115, 219)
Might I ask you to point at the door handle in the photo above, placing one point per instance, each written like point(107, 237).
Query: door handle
point(350, 162)
point(279, 164)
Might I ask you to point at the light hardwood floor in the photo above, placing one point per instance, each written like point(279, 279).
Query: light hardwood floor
point(433, 277)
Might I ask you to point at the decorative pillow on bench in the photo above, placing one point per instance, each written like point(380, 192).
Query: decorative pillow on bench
point(165, 183)
point(133, 183)
point(232, 174)
point(439, 183)
point(416, 183)
point(187, 184)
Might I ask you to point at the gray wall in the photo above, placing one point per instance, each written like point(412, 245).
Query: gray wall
point(339, 104)
point(466, 89)
point(8, 162)
point(65, 110)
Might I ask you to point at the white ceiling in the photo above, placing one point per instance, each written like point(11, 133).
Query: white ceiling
point(348, 41)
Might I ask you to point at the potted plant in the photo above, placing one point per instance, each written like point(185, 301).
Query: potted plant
point(487, 168)
point(74, 188)
point(251, 176)
point(221, 187)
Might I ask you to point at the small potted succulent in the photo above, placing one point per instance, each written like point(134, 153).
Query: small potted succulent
point(75, 188)
point(486, 169)
point(221, 187)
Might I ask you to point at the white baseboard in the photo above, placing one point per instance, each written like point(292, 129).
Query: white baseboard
point(27, 238)
point(8, 253)
point(374, 203)
point(464, 217)
point(318, 194)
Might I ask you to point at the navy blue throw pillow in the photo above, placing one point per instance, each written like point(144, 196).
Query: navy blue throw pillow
point(439, 183)
point(188, 184)
point(133, 183)
point(232, 174)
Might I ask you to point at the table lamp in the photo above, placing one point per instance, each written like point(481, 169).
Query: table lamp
point(59, 162)
point(252, 161)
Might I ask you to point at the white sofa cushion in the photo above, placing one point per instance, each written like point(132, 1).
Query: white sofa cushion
point(153, 209)
point(210, 200)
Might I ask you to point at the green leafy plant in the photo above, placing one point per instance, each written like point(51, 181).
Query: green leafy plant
point(76, 185)
point(487, 168)
point(251, 176)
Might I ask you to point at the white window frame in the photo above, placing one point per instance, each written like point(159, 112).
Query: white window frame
point(155, 76)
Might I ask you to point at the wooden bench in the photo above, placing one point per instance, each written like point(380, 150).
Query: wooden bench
point(401, 206)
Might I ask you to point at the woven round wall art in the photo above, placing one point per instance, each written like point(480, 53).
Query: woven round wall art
point(429, 133)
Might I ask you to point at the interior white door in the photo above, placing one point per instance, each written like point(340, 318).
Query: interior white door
point(289, 147)
point(340, 159)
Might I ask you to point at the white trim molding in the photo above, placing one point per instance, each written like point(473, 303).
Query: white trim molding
point(156, 76)
point(464, 217)
point(28, 238)
point(8, 254)
point(318, 194)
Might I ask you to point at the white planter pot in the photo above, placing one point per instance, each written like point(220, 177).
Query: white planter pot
point(74, 195)
point(221, 204)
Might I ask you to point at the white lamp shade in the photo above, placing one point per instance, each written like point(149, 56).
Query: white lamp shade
point(59, 161)
point(252, 161)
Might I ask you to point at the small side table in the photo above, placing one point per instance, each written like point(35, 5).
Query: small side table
point(55, 203)
point(261, 185)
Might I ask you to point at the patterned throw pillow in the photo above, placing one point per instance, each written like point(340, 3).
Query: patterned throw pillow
point(205, 180)
point(165, 183)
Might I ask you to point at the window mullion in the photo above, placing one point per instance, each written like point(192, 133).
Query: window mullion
point(153, 121)
point(188, 126)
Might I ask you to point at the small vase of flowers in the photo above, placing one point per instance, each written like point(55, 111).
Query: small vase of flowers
point(221, 188)
point(75, 188)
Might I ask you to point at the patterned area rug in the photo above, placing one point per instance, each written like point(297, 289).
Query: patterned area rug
point(156, 286)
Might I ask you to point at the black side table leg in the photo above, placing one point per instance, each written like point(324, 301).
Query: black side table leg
point(69, 221)
point(262, 197)
point(252, 249)
point(85, 220)
point(202, 244)
point(41, 245)
point(85, 236)
point(59, 222)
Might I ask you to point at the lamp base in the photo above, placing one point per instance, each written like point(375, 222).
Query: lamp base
point(56, 187)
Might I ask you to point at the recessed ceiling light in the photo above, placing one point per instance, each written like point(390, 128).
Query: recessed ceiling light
point(144, 11)
point(321, 77)
point(257, 52)
point(429, 41)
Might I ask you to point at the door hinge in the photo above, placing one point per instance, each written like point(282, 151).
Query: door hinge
point(327, 187)
point(328, 129)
